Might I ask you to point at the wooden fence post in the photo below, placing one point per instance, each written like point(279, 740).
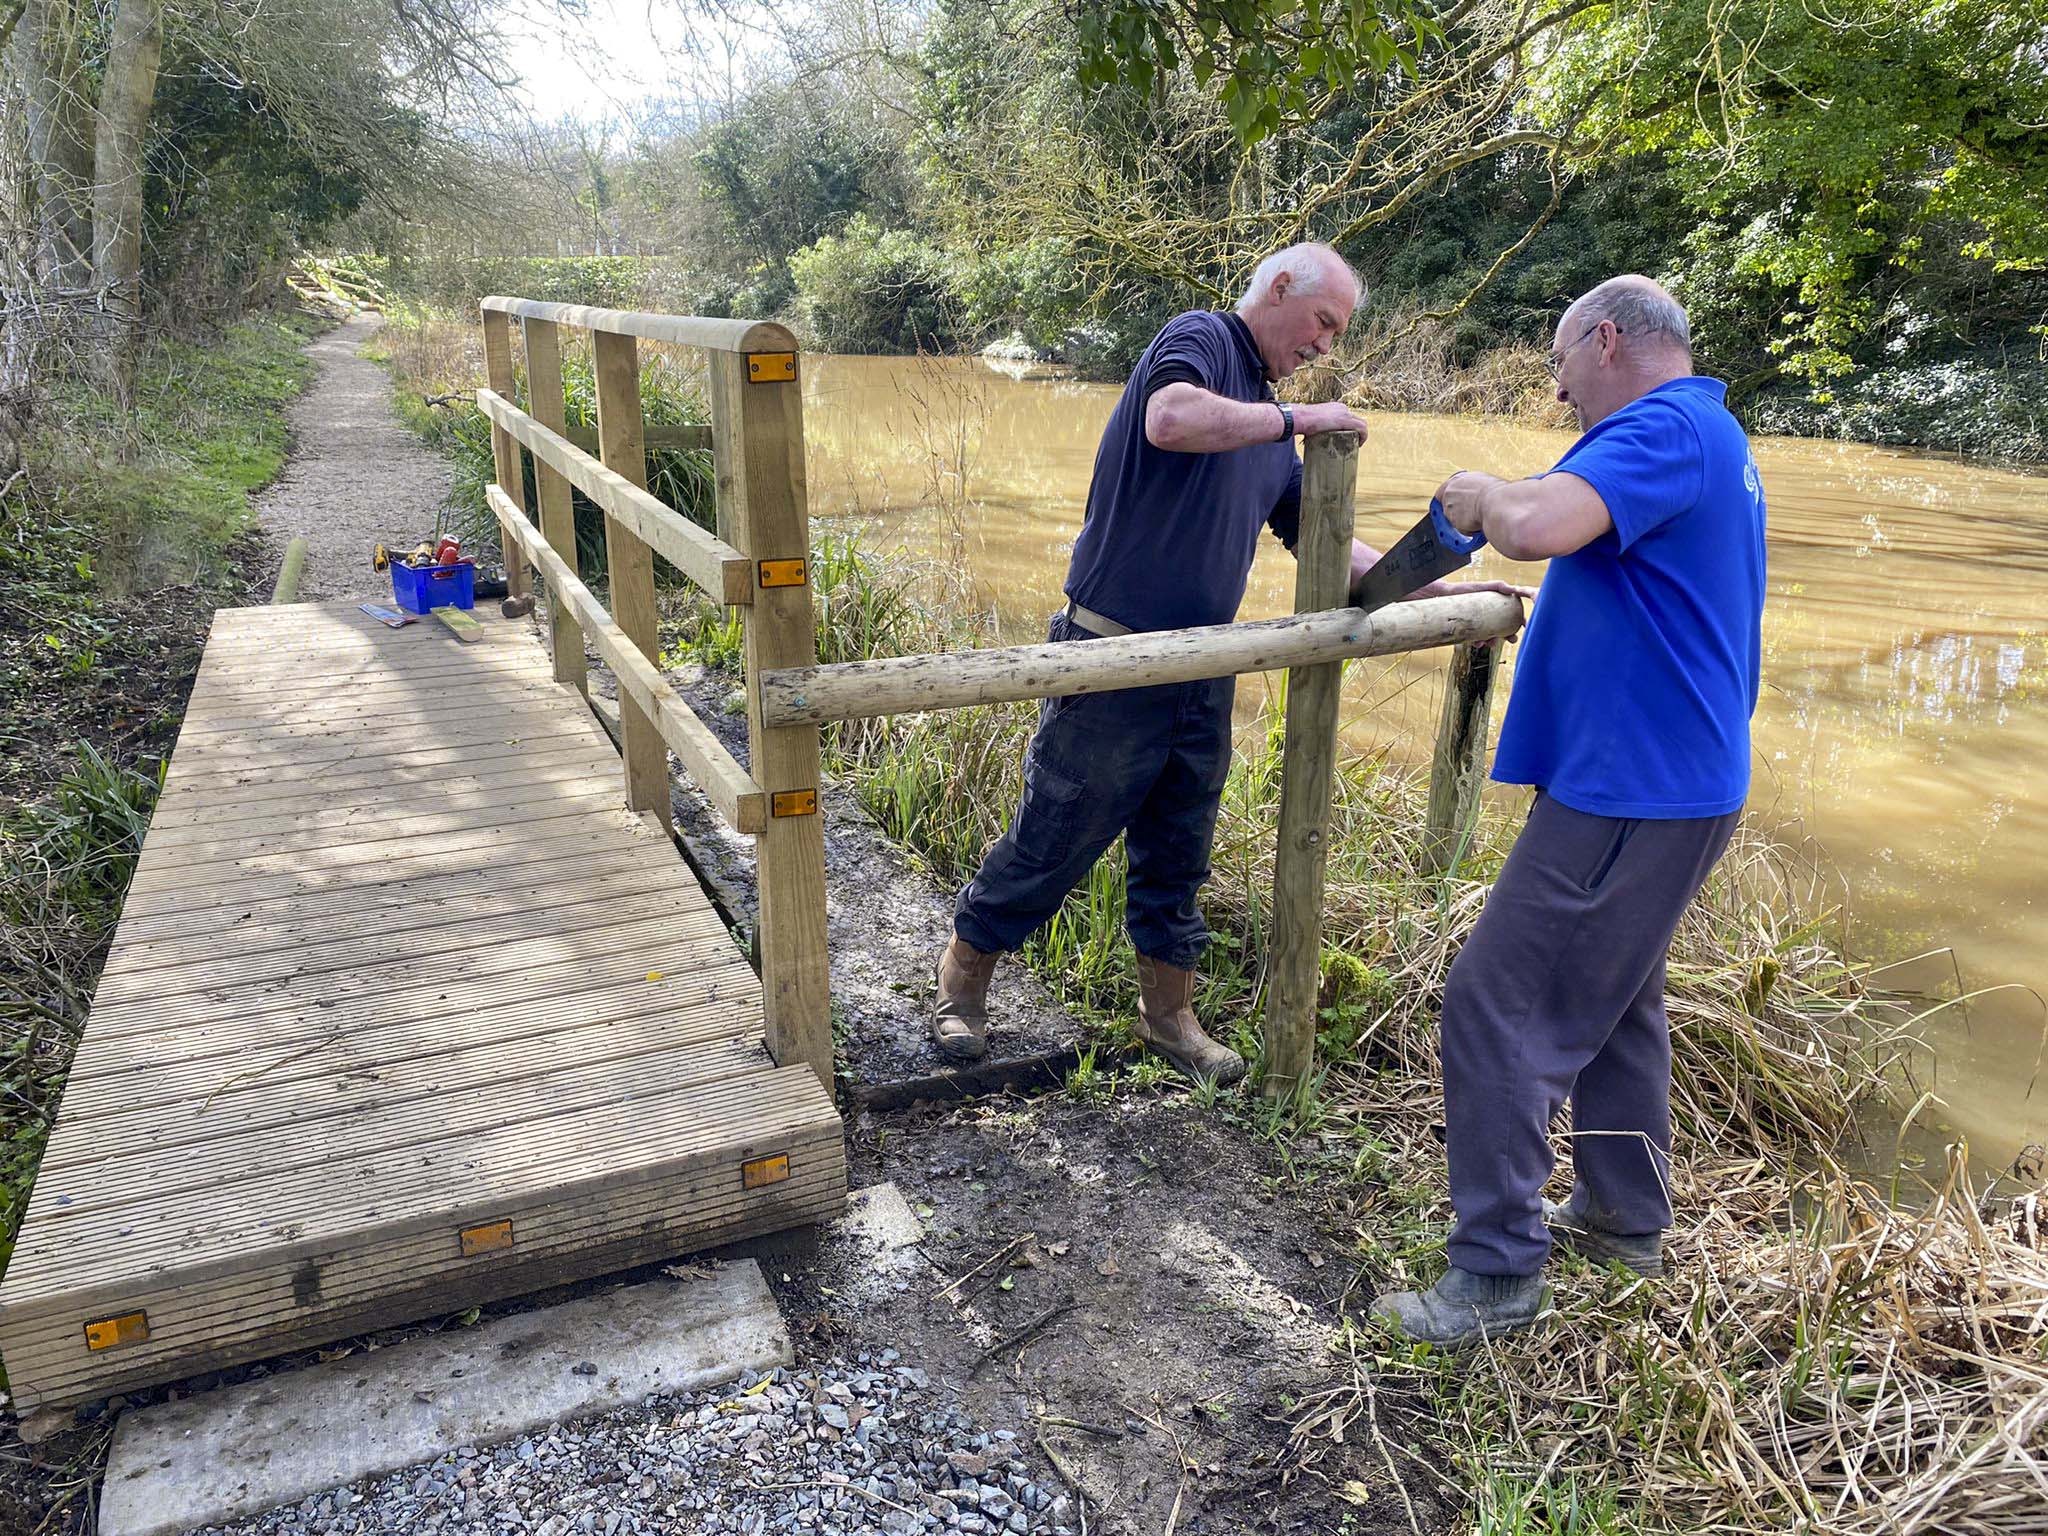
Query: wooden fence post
point(757, 416)
point(622, 445)
point(546, 404)
point(1458, 770)
point(505, 454)
point(1322, 581)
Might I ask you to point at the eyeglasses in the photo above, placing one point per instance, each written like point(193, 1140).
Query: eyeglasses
point(1554, 361)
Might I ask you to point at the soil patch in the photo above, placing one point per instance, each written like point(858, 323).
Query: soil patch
point(1184, 1293)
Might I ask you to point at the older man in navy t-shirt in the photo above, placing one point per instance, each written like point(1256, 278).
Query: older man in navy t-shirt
point(1197, 458)
point(1630, 716)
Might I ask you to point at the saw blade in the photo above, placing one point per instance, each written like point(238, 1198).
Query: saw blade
point(1429, 551)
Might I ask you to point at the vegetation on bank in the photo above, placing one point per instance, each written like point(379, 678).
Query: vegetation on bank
point(122, 532)
point(1825, 1356)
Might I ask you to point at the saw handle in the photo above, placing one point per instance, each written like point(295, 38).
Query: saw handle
point(1448, 536)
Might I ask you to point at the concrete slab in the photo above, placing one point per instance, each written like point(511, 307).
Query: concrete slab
point(877, 1242)
point(241, 1450)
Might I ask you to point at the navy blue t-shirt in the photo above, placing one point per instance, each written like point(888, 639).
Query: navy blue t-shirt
point(1635, 683)
point(1169, 537)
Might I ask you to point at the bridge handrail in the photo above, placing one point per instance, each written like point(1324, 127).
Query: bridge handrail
point(758, 563)
point(685, 330)
point(714, 565)
point(729, 787)
point(858, 690)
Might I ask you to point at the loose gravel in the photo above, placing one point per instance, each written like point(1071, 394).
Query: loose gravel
point(357, 476)
point(866, 1445)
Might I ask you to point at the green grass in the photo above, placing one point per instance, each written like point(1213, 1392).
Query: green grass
point(66, 863)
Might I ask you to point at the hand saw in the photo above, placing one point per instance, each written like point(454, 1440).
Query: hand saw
point(1430, 550)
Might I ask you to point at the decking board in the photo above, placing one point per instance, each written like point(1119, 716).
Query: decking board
point(395, 961)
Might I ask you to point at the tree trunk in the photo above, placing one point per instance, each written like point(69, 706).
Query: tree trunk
point(126, 96)
point(59, 143)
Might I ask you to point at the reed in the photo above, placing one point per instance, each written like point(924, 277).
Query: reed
point(1822, 1357)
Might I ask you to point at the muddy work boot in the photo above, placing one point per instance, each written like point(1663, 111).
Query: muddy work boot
point(1574, 1226)
point(960, 1016)
point(1463, 1308)
point(1166, 1023)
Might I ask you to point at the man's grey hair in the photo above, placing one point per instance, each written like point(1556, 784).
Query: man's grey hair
point(1309, 264)
point(1638, 308)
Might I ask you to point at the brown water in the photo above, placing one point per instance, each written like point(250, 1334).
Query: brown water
point(1904, 718)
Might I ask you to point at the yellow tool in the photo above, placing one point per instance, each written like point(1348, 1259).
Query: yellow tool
point(421, 554)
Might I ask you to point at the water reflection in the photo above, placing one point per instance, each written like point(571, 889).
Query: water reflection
point(1903, 720)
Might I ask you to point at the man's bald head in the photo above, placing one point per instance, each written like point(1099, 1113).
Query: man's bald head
point(1640, 309)
point(1616, 344)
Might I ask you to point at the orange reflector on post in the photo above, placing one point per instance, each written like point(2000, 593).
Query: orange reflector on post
point(793, 802)
point(129, 1328)
point(491, 1237)
point(782, 573)
point(770, 367)
point(764, 1170)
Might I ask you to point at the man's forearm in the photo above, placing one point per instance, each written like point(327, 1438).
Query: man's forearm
point(1184, 419)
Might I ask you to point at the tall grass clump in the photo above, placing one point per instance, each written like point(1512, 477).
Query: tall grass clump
point(64, 867)
point(436, 362)
point(1822, 1357)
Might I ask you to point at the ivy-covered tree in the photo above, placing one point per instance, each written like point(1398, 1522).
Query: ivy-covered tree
point(1833, 156)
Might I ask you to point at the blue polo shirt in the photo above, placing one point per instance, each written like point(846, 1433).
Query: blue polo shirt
point(1168, 538)
point(1636, 680)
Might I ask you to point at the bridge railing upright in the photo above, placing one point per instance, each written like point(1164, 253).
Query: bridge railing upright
point(759, 563)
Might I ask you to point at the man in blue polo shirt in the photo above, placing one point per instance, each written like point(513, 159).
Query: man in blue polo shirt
point(1197, 458)
point(1630, 716)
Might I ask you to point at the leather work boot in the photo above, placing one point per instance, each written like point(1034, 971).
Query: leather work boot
point(960, 1015)
point(1463, 1308)
point(1166, 1023)
point(1572, 1226)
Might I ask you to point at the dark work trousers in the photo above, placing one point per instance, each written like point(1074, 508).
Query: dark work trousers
point(1560, 991)
point(1147, 762)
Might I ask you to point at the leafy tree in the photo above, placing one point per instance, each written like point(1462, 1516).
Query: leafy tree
point(794, 163)
point(1274, 64)
point(1830, 154)
point(875, 290)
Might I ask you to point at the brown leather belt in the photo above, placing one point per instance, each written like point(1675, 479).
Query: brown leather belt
point(1096, 624)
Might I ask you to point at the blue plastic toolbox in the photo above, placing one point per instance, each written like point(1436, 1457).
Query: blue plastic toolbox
point(419, 588)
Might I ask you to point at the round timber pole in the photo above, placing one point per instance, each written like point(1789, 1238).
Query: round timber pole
point(1322, 581)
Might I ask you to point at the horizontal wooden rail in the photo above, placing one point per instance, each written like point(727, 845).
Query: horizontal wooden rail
point(728, 786)
point(686, 330)
point(856, 690)
point(704, 557)
point(680, 435)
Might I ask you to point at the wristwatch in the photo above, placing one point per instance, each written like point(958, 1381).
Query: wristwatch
point(1286, 424)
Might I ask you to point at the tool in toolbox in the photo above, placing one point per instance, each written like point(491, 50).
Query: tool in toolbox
point(1429, 551)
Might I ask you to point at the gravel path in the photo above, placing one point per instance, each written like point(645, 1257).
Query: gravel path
point(356, 476)
point(862, 1445)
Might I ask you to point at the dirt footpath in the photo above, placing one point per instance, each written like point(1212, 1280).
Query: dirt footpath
point(357, 476)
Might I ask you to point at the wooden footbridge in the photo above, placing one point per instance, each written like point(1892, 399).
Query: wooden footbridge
point(412, 1006)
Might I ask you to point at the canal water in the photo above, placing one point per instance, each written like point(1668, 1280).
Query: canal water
point(1903, 729)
